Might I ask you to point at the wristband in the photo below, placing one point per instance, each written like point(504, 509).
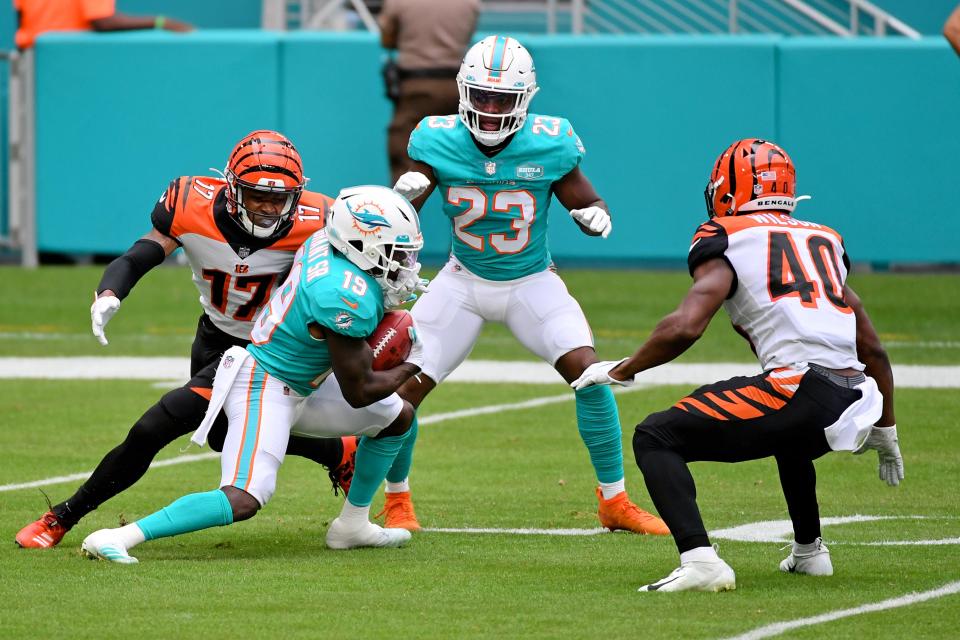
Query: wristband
point(159, 22)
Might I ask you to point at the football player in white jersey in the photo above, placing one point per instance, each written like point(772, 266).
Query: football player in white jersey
point(826, 383)
point(239, 234)
point(496, 169)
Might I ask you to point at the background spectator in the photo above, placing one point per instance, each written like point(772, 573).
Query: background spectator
point(430, 37)
point(40, 16)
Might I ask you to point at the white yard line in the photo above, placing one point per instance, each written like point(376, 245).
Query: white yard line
point(515, 372)
point(777, 628)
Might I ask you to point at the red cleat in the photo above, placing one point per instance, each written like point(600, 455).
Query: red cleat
point(342, 475)
point(42, 534)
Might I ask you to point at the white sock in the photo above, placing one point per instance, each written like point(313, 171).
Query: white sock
point(398, 487)
point(610, 489)
point(700, 554)
point(354, 515)
point(130, 535)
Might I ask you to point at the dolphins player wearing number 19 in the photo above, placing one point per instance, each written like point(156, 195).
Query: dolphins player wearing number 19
point(309, 355)
point(496, 168)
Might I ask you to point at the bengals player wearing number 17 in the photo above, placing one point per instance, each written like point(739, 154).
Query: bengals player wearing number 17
point(240, 234)
point(496, 168)
point(826, 383)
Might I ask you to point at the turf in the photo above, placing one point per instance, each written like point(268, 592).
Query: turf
point(272, 576)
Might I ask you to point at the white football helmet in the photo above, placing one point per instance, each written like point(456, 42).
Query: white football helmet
point(378, 230)
point(497, 80)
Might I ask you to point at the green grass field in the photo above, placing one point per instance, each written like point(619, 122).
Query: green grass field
point(521, 468)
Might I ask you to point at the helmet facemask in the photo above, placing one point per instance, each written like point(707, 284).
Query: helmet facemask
point(242, 197)
point(492, 113)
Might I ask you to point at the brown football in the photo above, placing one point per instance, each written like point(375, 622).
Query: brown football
point(390, 341)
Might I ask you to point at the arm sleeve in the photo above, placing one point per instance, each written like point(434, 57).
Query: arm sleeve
point(845, 257)
point(417, 142)
point(573, 147)
point(344, 312)
point(165, 209)
point(123, 273)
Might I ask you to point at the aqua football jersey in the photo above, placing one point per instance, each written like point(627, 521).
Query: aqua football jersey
point(324, 288)
point(498, 206)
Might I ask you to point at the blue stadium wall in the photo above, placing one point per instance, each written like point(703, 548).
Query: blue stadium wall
point(871, 124)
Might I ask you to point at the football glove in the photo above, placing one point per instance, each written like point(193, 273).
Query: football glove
point(599, 373)
point(411, 184)
point(100, 313)
point(409, 288)
point(593, 218)
point(416, 346)
point(884, 440)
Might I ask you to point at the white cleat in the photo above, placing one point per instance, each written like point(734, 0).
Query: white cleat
point(697, 576)
point(813, 563)
point(339, 536)
point(104, 545)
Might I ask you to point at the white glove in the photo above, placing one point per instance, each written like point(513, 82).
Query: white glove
point(884, 440)
point(411, 184)
point(408, 290)
point(416, 346)
point(100, 313)
point(599, 373)
point(593, 218)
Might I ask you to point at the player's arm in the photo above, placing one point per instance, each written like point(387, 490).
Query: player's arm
point(577, 195)
point(123, 22)
point(417, 183)
point(352, 361)
point(675, 333)
point(951, 30)
point(870, 352)
point(388, 26)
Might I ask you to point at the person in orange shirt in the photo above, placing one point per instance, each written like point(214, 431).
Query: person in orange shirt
point(40, 16)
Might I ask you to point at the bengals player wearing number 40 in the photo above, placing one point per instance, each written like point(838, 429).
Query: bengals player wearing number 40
point(496, 169)
point(826, 383)
point(240, 234)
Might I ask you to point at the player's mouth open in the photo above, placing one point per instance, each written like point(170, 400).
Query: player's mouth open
point(489, 124)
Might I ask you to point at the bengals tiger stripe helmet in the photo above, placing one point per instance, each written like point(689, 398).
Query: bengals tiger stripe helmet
point(266, 162)
point(751, 175)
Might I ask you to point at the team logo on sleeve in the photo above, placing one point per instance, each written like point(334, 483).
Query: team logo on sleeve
point(343, 320)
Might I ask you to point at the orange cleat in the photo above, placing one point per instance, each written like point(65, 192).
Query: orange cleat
point(342, 475)
point(399, 512)
point(618, 513)
point(42, 534)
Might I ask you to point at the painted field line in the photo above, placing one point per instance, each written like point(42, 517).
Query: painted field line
point(430, 419)
point(522, 532)
point(777, 628)
point(491, 371)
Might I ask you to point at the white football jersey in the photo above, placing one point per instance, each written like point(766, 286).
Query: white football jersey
point(787, 295)
point(234, 272)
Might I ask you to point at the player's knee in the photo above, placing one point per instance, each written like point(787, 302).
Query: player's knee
point(401, 424)
point(155, 429)
point(244, 505)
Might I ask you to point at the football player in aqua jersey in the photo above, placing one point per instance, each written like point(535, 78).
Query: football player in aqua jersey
point(239, 234)
point(309, 341)
point(826, 383)
point(496, 168)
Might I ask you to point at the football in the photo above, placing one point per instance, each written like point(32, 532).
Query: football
point(390, 341)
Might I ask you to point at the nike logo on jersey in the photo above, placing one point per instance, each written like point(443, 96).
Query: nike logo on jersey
point(695, 242)
point(352, 305)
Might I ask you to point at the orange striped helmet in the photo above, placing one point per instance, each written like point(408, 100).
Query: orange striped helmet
point(264, 182)
point(751, 175)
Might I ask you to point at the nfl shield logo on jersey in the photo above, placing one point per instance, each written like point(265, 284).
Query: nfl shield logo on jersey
point(243, 252)
point(490, 167)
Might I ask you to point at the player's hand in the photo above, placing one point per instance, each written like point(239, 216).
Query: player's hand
point(599, 373)
point(411, 184)
point(416, 346)
point(408, 290)
point(595, 219)
point(884, 440)
point(100, 313)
